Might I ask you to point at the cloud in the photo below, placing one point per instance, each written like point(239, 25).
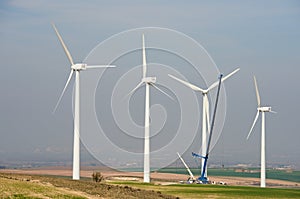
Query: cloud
point(37, 150)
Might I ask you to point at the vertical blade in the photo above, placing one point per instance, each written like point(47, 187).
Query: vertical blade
point(223, 79)
point(256, 117)
point(257, 93)
point(144, 58)
point(207, 113)
point(70, 76)
point(63, 45)
point(162, 91)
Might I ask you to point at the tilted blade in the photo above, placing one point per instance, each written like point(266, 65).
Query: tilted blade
point(144, 58)
point(257, 93)
point(195, 88)
point(273, 112)
point(132, 91)
point(186, 166)
point(223, 79)
point(256, 117)
point(70, 76)
point(100, 66)
point(63, 45)
point(162, 91)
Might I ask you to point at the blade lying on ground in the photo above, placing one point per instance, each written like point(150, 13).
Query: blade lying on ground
point(186, 166)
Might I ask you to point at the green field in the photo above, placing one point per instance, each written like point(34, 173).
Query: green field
point(32, 186)
point(293, 176)
point(192, 191)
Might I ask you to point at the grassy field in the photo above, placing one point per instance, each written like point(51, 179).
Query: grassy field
point(32, 186)
point(26, 186)
point(293, 176)
point(10, 187)
point(216, 191)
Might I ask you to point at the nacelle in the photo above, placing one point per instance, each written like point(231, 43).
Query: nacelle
point(79, 67)
point(149, 79)
point(264, 109)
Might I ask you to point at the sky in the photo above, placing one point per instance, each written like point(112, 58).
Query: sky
point(260, 37)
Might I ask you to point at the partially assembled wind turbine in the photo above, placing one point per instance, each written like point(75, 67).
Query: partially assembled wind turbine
point(205, 109)
point(262, 110)
point(75, 68)
point(148, 81)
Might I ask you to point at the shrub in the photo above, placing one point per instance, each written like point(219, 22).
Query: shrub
point(97, 176)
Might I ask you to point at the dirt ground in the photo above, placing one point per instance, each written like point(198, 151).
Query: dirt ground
point(159, 178)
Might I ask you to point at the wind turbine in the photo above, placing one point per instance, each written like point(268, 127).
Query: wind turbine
point(262, 110)
point(148, 81)
point(205, 109)
point(75, 68)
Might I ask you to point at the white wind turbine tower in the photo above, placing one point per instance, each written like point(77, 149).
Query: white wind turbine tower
point(205, 109)
point(149, 81)
point(75, 68)
point(262, 110)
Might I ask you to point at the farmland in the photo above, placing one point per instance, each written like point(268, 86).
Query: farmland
point(16, 185)
point(217, 191)
point(293, 176)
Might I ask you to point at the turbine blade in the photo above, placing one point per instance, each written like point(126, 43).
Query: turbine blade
point(68, 81)
point(63, 45)
point(256, 117)
point(273, 111)
point(195, 88)
point(162, 91)
point(144, 58)
point(186, 166)
point(257, 92)
point(100, 66)
point(223, 79)
point(132, 91)
point(207, 115)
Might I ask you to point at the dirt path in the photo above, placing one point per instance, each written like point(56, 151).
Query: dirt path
point(78, 193)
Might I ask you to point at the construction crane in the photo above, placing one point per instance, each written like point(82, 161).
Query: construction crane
point(203, 179)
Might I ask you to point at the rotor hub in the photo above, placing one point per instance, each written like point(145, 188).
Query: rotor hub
point(79, 66)
point(264, 109)
point(149, 80)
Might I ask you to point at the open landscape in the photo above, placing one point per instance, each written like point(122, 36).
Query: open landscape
point(147, 100)
point(51, 182)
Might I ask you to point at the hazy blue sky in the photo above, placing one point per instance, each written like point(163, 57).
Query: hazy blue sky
point(260, 37)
